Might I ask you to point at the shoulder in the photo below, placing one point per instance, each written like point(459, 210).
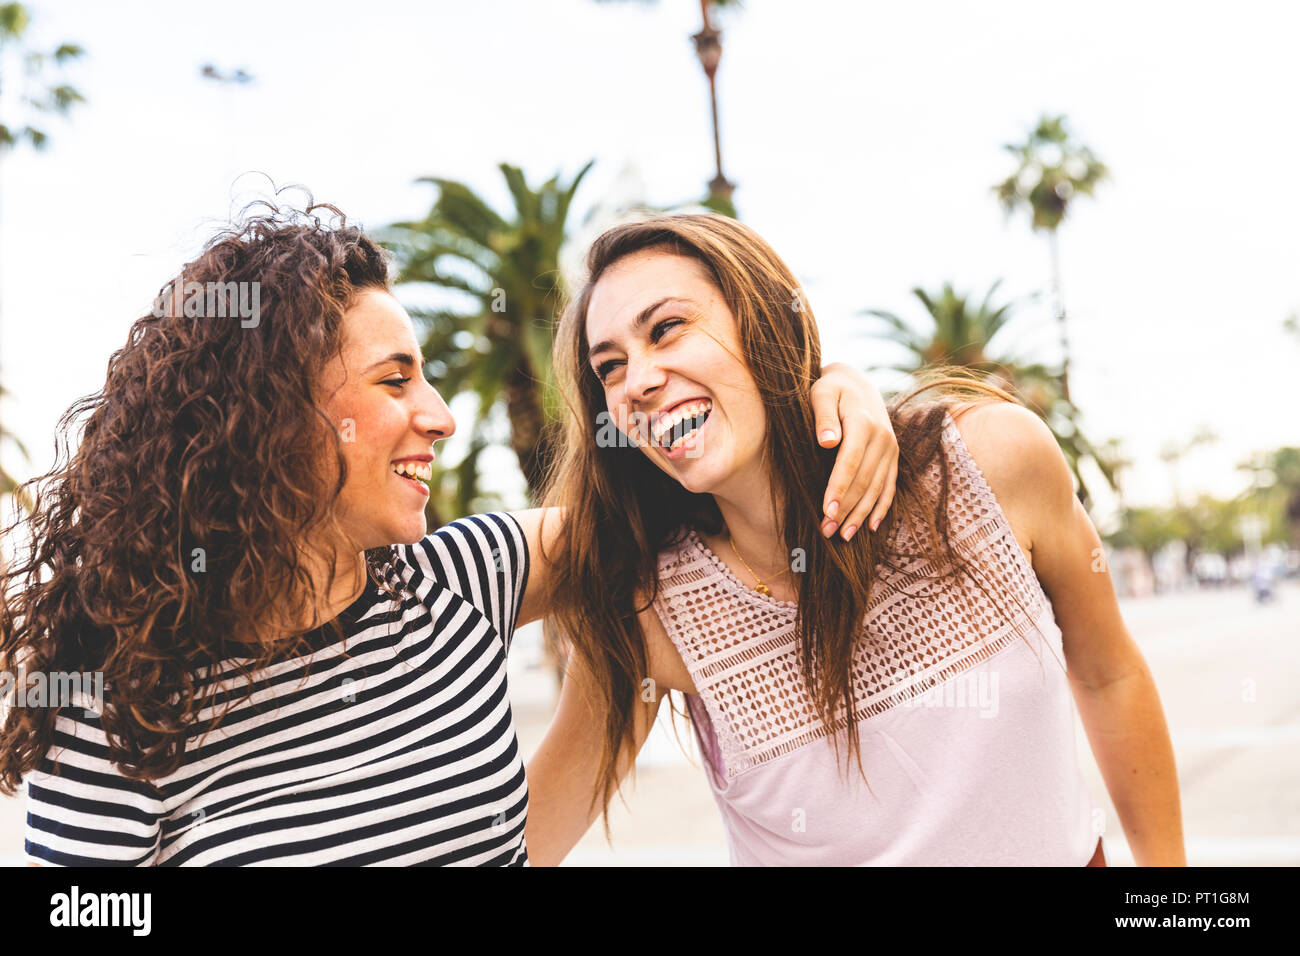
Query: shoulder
point(1019, 458)
point(482, 558)
point(496, 530)
point(475, 546)
point(1005, 429)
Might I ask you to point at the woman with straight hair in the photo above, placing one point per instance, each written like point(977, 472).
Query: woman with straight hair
point(293, 671)
point(898, 696)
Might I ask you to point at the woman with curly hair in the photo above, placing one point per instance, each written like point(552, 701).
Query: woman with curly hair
point(941, 650)
point(294, 671)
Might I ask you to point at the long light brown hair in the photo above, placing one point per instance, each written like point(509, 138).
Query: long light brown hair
point(621, 510)
point(207, 434)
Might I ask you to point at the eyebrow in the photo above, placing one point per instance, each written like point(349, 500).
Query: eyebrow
point(401, 358)
point(641, 319)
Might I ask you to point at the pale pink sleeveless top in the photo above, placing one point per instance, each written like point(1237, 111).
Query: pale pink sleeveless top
point(964, 712)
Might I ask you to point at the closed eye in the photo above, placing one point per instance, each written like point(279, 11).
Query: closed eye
point(663, 327)
point(399, 382)
point(604, 368)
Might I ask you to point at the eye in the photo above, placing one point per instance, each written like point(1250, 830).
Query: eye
point(399, 382)
point(605, 368)
point(663, 327)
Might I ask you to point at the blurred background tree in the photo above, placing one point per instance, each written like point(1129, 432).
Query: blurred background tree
point(497, 344)
point(1172, 454)
point(41, 92)
point(1275, 492)
point(956, 330)
point(1266, 513)
point(1052, 169)
point(1149, 529)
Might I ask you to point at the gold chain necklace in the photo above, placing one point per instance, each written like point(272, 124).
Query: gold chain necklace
point(760, 587)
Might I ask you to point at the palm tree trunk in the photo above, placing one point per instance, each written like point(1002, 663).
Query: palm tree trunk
point(528, 437)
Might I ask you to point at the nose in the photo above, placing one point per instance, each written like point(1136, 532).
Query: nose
point(432, 416)
point(642, 378)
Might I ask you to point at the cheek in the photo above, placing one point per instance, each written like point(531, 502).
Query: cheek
point(368, 431)
point(620, 412)
point(733, 384)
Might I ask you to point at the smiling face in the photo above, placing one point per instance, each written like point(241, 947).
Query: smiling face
point(388, 416)
point(666, 349)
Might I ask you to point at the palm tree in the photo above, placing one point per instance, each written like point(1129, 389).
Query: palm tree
point(507, 268)
point(1052, 169)
point(40, 96)
point(1172, 454)
point(959, 332)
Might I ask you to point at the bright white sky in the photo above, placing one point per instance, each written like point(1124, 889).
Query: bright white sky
point(864, 138)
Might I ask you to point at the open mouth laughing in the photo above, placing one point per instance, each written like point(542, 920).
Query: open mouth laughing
point(673, 429)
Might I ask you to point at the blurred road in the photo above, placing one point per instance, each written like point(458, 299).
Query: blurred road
point(1227, 672)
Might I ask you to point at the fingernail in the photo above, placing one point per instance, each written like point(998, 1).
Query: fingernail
point(875, 524)
point(848, 532)
point(828, 528)
point(828, 435)
point(832, 509)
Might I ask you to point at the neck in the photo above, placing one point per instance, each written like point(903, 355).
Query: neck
point(751, 518)
point(331, 598)
point(349, 581)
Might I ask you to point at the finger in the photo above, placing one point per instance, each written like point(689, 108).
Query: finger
point(861, 512)
point(886, 497)
point(860, 496)
point(826, 415)
point(881, 463)
point(848, 462)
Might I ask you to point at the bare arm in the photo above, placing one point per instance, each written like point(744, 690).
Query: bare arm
point(1111, 683)
point(563, 772)
point(541, 527)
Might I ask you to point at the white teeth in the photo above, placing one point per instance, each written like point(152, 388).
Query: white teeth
point(668, 422)
point(414, 469)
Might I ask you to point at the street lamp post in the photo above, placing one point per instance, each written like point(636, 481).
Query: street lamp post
point(708, 47)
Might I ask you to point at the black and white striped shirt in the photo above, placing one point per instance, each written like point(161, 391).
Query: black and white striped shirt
point(396, 746)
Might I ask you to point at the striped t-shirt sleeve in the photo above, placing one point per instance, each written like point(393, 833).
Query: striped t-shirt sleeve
point(482, 558)
point(81, 810)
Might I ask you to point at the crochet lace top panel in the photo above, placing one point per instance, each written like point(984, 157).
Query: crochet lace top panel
point(921, 635)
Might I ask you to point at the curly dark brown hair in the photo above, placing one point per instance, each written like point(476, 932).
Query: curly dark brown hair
point(207, 434)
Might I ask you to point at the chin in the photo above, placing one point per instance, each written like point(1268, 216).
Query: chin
point(701, 481)
point(409, 532)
